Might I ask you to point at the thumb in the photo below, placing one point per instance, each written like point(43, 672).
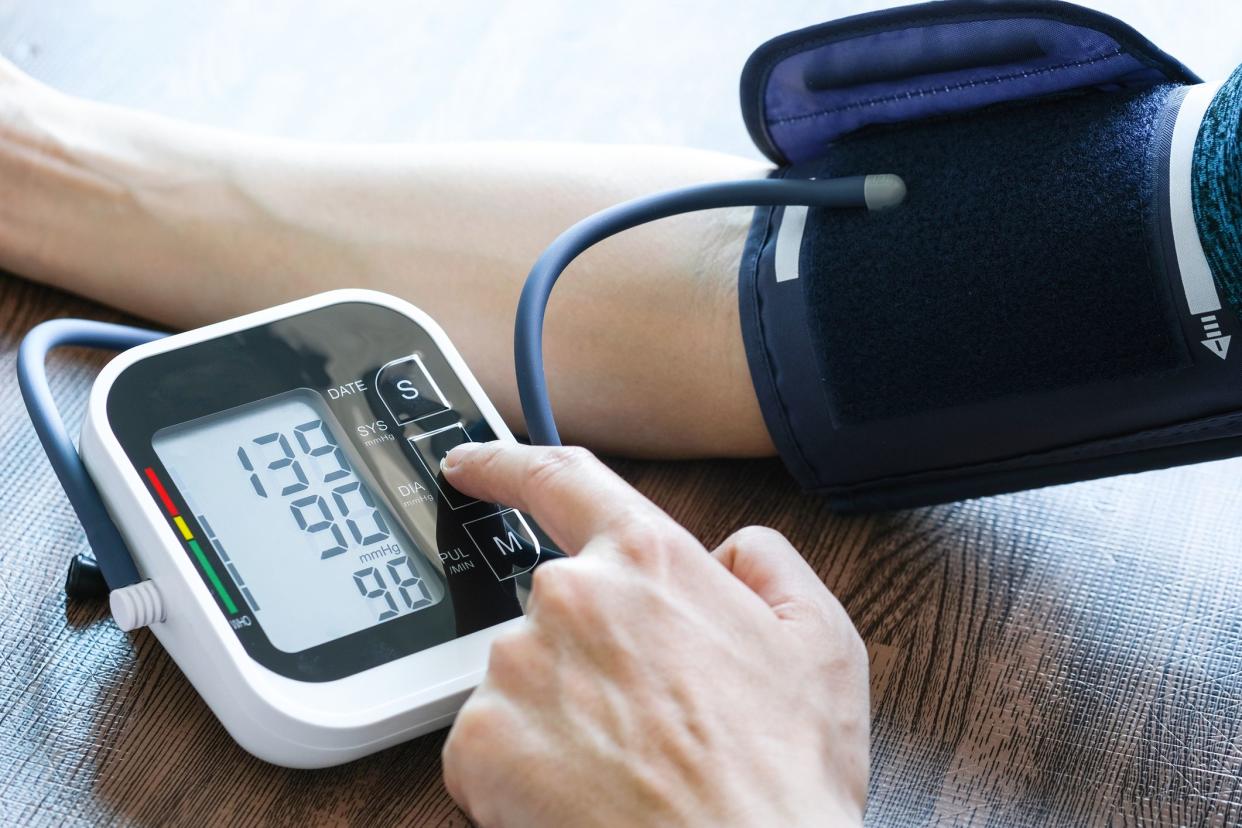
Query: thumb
point(765, 561)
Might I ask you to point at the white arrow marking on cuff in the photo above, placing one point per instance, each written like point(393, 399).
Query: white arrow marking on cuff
point(1197, 280)
point(1218, 346)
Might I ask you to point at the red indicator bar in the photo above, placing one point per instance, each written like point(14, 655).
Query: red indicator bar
point(159, 490)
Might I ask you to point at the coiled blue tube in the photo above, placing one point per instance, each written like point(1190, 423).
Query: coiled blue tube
point(110, 550)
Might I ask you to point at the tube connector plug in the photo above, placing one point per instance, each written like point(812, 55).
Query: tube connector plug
point(84, 580)
point(883, 191)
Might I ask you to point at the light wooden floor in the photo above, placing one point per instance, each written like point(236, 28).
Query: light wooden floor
point(1068, 656)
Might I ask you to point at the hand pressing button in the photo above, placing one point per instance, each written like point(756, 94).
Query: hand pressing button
point(431, 448)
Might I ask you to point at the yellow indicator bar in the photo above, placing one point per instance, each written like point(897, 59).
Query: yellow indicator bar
point(185, 530)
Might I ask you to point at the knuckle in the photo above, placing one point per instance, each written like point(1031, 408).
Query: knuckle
point(805, 612)
point(485, 457)
point(556, 464)
point(643, 538)
point(474, 731)
point(510, 654)
point(556, 588)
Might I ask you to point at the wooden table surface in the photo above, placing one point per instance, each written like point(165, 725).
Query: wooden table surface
point(1066, 656)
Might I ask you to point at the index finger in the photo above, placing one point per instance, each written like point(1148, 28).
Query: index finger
point(567, 490)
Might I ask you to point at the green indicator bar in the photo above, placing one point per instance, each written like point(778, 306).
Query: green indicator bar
point(213, 577)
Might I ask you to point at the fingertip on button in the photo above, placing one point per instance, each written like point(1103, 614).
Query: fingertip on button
point(456, 456)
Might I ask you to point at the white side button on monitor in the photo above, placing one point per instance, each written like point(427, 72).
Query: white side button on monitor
point(136, 606)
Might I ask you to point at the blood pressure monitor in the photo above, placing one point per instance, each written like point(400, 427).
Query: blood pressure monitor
point(265, 494)
point(277, 480)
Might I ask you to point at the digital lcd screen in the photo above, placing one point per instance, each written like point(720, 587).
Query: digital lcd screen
point(314, 552)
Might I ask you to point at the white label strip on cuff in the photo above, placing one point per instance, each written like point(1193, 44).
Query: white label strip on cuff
point(1201, 296)
point(789, 243)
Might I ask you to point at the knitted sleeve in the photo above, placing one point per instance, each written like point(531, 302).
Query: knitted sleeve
point(1216, 188)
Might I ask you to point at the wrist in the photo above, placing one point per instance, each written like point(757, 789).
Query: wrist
point(117, 205)
point(73, 180)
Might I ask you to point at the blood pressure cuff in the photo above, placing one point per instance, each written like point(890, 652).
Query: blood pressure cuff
point(1021, 319)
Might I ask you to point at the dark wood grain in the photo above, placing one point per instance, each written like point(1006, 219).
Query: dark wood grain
point(1066, 656)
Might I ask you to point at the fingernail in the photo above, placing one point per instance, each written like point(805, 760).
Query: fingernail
point(455, 456)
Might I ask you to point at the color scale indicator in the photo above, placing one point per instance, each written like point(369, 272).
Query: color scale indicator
point(191, 542)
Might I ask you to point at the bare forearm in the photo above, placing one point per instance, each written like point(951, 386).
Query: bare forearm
point(186, 225)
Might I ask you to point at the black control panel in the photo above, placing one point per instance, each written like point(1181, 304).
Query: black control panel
point(393, 404)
